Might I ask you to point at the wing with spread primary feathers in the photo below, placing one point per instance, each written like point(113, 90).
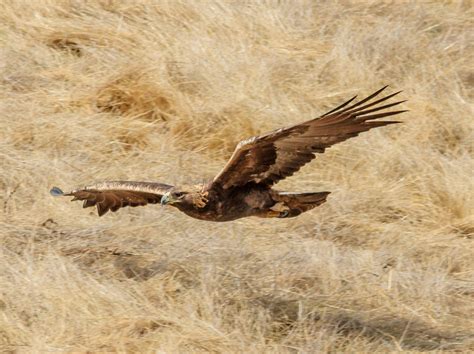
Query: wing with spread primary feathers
point(114, 195)
point(269, 158)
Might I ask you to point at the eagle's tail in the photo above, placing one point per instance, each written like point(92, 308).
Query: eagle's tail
point(293, 204)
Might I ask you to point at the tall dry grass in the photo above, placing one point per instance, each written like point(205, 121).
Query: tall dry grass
point(163, 90)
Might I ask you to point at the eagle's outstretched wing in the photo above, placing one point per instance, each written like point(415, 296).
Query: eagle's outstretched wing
point(113, 195)
point(269, 158)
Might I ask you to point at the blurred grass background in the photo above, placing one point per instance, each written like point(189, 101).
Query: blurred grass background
point(162, 91)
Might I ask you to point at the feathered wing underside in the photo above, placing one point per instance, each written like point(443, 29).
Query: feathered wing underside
point(269, 158)
point(114, 195)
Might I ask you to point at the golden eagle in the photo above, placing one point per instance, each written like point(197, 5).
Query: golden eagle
point(244, 186)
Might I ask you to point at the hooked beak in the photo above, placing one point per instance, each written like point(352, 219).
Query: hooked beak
point(168, 199)
point(165, 199)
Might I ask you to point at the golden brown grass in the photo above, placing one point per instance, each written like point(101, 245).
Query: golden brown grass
point(162, 91)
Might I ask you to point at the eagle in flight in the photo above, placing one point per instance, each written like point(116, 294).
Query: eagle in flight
point(244, 186)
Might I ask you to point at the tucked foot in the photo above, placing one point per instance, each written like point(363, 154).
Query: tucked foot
point(276, 214)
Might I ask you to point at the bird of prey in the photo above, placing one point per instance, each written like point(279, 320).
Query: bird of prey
point(244, 187)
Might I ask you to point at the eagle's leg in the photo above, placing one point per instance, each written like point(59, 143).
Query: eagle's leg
point(276, 214)
point(279, 210)
point(289, 204)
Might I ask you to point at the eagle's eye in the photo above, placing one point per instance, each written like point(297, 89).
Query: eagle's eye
point(178, 194)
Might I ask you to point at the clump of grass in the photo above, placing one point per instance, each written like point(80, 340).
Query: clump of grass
point(135, 95)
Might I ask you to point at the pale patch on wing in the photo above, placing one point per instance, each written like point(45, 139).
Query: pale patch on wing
point(113, 195)
point(149, 187)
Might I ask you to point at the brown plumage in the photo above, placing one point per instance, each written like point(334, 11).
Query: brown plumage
point(244, 186)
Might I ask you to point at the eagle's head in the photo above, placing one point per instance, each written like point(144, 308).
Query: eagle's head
point(193, 196)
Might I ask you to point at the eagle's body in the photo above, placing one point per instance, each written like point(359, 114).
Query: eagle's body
point(223, 206)
point(241, 202)
point(244, 187)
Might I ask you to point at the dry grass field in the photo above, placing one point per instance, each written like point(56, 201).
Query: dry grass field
point(162, 91)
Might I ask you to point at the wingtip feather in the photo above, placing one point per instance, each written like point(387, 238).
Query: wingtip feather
point(102, 209)
point(56, 192)
point(339, 107)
